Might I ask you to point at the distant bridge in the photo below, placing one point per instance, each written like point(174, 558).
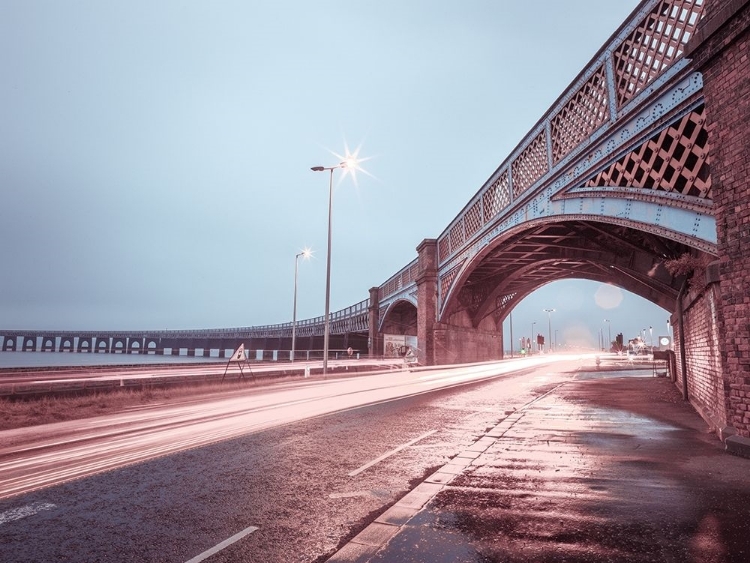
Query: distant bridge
point(271, 342)
point(638, 175)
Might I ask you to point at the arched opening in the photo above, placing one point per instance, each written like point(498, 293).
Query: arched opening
point(584, 315)
point(102, 345)
point(537, 254)
point(399, 328)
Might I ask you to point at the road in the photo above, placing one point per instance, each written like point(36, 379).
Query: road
point(288, 472)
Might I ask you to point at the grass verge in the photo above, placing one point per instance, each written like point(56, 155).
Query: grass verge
point(47, 409)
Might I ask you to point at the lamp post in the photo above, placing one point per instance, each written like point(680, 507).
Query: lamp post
point(651, 337)
point(556, 345)
point(511, 334)
point(531, 342)
point(549, 326)
point(345, 164)
point(306, 253)
point(609, 331)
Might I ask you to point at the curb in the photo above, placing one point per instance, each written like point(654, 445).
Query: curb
point(376, 535)
point(738, 445)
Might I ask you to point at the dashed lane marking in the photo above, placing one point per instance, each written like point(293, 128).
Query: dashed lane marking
point(24, 511)
point(390, 453)
point(226, 543)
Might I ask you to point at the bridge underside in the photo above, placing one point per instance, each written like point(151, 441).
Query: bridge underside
point(631, 259)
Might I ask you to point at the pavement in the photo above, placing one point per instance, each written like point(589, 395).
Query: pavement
point(597, 469)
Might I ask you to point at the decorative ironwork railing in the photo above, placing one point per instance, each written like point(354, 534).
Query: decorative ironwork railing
point(643, 50)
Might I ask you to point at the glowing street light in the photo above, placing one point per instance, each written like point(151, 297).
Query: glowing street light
point(531, 342)
point(549, 327)
point(349, 162)
point(306, 253)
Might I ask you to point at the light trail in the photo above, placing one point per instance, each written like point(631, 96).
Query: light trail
point(61, 452)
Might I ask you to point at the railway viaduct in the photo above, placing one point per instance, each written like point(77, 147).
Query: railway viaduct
point(636, 176)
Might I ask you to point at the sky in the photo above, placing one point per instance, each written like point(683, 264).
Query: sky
point(155, 156)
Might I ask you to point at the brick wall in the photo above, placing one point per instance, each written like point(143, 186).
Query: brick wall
point(458, 345)
point(721, 49)
point(707, 388)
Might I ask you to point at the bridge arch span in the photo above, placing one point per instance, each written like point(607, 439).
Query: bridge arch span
point(400, 317)
point(527, 256)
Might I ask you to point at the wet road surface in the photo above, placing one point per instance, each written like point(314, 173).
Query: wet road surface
point(538, 466)
point(616, 470)
point(292, 490)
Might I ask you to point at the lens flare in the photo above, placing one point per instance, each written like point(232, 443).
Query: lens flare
point(608, 296)
point(351, 162)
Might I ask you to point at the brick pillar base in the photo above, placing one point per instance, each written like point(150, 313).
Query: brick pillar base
point(427, 301)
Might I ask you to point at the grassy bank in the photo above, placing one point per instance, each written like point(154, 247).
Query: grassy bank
point(43, 410)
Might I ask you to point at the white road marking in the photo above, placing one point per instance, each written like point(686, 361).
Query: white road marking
point(24, 511)
point(217, 548)
point(390, 453)
point(351, 495)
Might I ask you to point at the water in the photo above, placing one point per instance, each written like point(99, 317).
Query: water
point(68, 359)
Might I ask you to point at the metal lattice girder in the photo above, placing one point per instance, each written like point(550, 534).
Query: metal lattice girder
point(599, 115)
point(676, 159)
point(658, 40)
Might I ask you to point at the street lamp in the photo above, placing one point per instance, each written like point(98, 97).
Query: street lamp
point(511, 334)
point(555, 339)
point(549, 327)
point(306, 253)
point(609, 332)
point(651, 337)
point(349, 162)
point(531, 342)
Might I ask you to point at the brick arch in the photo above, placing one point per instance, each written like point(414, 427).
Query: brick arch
point(9, 343)
point(67, 344)
point(539, 252)
point(135, 345)
point(151, 345)
point(101, 344)
point(400, 317)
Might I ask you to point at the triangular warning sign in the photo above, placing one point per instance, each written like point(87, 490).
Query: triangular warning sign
point(239, 354)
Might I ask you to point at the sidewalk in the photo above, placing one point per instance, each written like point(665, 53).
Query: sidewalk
point(595, 470)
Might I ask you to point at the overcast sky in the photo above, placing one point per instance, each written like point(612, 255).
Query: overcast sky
point(155, 156)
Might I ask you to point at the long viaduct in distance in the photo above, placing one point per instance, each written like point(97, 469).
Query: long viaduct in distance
point(638, 176)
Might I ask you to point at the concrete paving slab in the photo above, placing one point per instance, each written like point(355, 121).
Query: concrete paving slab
point(597, 470)
point(397, 515)
point(376, 534)
point(440, 477)
point(354, 553)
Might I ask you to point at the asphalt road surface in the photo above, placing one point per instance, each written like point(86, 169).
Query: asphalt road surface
point(287, 473)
